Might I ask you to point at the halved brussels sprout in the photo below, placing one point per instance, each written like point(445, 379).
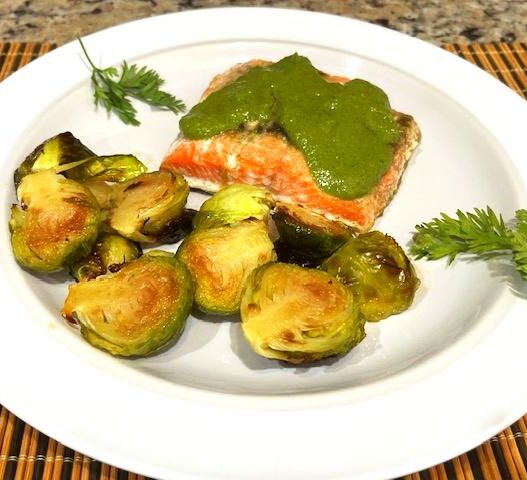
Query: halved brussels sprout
point(57, 222)
point(232, 204)
point(308, 234)
point(381, 275)
point(135, 311)
point(109, 254)
point(58, 150)
point(220, 260)
point(143, 207)
point(299, 314)
point(111, 168)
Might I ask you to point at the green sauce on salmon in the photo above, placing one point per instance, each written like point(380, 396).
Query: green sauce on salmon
point(346, 132)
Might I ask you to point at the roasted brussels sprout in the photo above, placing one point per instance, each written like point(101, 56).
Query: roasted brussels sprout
point(109, 254)
point(220, 260)
point(307, 233)
point(57, 222)
point(58, 150)
point(143, 207)
point(380, 274)
point(299, 314)
point(111, 168)
point(135, 311)
point(233, 204)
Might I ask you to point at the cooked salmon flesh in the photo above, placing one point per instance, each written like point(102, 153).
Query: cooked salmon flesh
point(267, 159)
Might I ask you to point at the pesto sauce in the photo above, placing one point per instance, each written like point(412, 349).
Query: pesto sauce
point(346, 132)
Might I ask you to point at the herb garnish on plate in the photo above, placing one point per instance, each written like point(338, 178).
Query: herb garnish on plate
point(480, 233)
point(112, 89)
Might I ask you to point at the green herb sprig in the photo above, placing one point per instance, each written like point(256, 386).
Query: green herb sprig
point(113, 89)
point(480, 233)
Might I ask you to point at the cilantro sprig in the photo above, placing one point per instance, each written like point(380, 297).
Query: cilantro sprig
point(113, 88)
point(480, 233)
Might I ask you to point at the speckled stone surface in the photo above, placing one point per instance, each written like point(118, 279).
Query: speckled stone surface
point(436, 21)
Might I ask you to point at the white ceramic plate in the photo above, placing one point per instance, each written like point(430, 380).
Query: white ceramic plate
point(422, 387)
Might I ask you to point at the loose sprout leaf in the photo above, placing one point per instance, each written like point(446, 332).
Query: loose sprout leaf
point(177, 229)
point(112, 88)
point(58, 152)
point(109, 254)
point(108, 168)
point(285, 254)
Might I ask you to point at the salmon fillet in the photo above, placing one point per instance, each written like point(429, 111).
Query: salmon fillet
point(266, 159)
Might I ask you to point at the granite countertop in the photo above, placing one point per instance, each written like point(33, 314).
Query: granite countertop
point(437, 21)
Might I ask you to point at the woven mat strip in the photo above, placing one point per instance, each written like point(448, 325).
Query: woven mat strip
point(15, 55)
point(506, 61)
point(26, 454)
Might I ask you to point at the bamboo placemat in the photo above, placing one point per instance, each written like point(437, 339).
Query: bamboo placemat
point(26, 454)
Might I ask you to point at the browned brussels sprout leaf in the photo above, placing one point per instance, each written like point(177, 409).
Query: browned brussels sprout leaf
point(57, 222)
point(287, 255)
point(177, 229)
point(381, 275)
point(109, 254)
point(299, 314)
point(58, 150)
point(135, 311)
point(102, 191)
point(308, 234)
point(220, 260)
point(111, 168)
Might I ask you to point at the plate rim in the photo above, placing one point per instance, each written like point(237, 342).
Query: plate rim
point(510, 100)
